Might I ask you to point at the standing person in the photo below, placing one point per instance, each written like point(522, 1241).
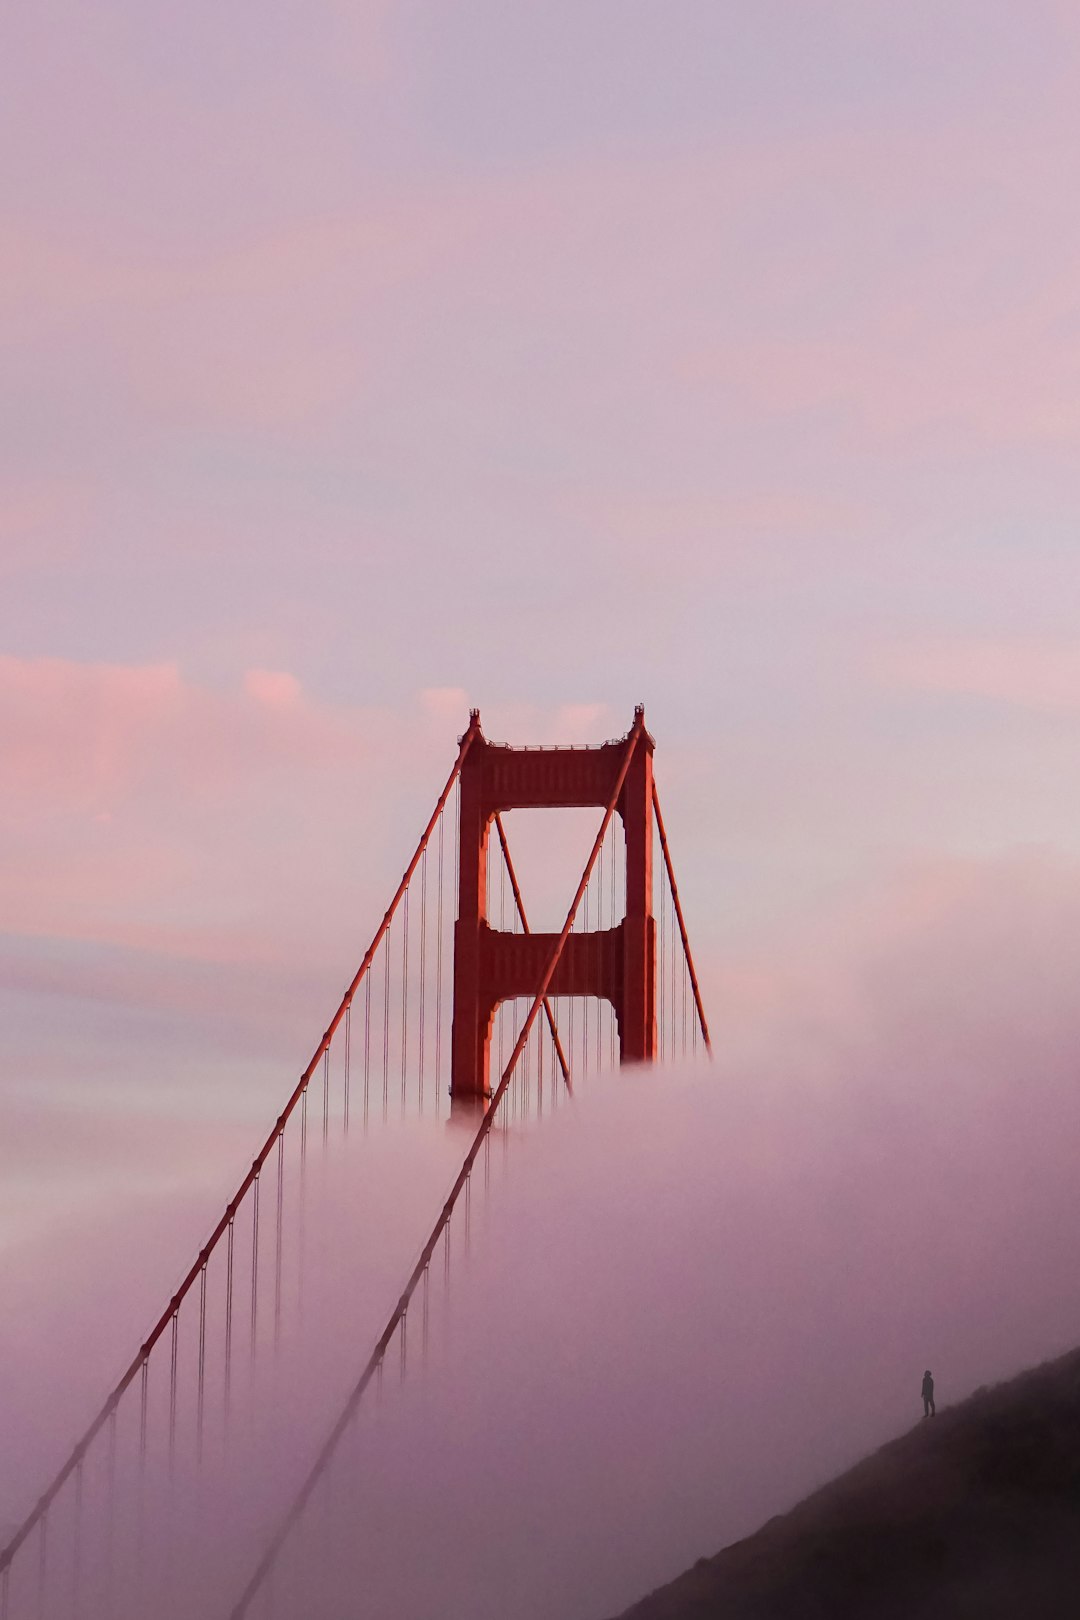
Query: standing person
point(928, 1394)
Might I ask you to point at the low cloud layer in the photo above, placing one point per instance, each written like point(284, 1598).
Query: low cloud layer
point(690, 1297)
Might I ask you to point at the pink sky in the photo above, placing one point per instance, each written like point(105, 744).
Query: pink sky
point(364, 363)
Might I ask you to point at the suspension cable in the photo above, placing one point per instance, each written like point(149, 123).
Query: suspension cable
point(677, 905)
point(373, 1366)
point(36, 1514)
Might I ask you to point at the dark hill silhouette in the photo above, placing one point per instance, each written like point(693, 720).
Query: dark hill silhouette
point(973, 1515)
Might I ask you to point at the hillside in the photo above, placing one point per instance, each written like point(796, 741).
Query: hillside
point(973, 1515)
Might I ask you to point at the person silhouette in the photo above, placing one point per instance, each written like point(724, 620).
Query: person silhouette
point(929, 1410)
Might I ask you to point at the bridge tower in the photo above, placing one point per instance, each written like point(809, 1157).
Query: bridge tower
point(617, 964)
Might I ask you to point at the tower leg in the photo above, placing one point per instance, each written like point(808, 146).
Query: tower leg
point(469, 1044)
point(638, 1022)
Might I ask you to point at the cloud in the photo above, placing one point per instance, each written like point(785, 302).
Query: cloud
point(148, 812)
point(1019, 673)
point(277, 689)
point(886, 1183)
point(134, 799)
point(445, 702)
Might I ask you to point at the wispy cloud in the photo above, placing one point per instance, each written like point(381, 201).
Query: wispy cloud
point(1024, 674)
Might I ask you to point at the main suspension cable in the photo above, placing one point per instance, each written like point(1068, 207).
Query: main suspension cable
point(37, 1514)
point(372, 1369)
point(677, 907)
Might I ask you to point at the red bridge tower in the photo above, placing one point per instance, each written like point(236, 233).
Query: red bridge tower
point(490, 966)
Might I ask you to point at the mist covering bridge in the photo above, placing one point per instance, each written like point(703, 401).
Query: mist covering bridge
point(167, 1505)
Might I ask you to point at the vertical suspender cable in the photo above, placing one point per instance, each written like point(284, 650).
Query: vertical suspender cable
point(43, 1564)
point(424, 1313)
point(603, 907)
point(439, 972)
point(404, 993)
point(229, 1246)
point(140, 1537)
point(663, 971)
point(279, 1234)
point(598, 946)
point(610, 1008)
point(455, 866)
point(595, 953)
point(611, 924)
point(201, 1408)
point(570, 1021)
point(174, 1349)
point(423, 983)
point(301, 1208)
point(600, 1005)
point(521, 1078)
point(674, 959)
point(143, 1402)
point(110, 1511)
point(325, 1095)
point(554, 1081)
point(586, 948)
point(254, 1264)
point(663, 974)
point(367, 1044)
point(76, 1549)
point(386, 1027)
point(502, 928)
point(348, 1059)
point(677, 906)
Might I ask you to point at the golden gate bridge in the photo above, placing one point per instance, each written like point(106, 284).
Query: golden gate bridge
point(451, 982)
